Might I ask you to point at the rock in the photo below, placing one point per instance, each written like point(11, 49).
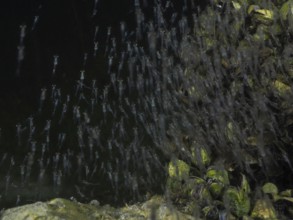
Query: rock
point(60, 209)
point(264, 209)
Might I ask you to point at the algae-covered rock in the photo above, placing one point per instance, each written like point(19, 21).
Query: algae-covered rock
point(62, 209)
point(263, 209)
point(57, 209)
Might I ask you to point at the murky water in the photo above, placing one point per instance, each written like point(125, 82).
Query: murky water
point(166, 86)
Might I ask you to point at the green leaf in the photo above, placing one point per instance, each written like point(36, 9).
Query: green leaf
point(245, 185)
point(270, 188)
point(220, 175)
point(178, 169)
point(286, 8)
point(237, 201)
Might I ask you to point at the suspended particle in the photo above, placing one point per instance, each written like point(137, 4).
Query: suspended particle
point(86, 118)
point(110, 110)
point(133, 110)
point(61, 139)
point(94, 83)
point(64, 110)
point(96, 135)
point(139, 21)
point(18, 133)
point(41, 175)
point(67, 99)
point(96, 47)
point(12, 162)
point(79, 163)
point(76, 113)
point(123, 30)
point(31, 122)
point(31, 133)
point(96, 155)
point(55, 63)
point(30, 161)
point(33, 146)
point(7, 183)
point(22, 172)
point(105, 93)
point(82, 75)
point(96, 30)
point(56, 160)
point(56, 102)
point(110, 62)
point(55, 178)
point(18, 200)
point(20, 57)
point(109, 145)
point(113, 80)
point(127, 101)
point(43, 149)
point(121, 128)
point(58, 93)
point(87, 171)
point(85, 57)
point(80, 135)
point(114, 45)
point(78, 191)
point(36, 19)
point(104, 108)
point(95, 8)
point(42, 98)
point(108, 38)
point(66, 164)
point(91, 146)
point(93, 102)
point(53, 90)
point(59, 178)
point(47, 127)
point(22, 33)
point(135, 49)
point(159, 57)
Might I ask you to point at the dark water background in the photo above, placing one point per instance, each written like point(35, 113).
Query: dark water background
point(52, 28)
point(64, 28)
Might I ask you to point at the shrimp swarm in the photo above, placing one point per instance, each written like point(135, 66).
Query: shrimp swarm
point(176, 84)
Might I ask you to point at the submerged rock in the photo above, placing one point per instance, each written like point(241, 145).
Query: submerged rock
point(59, 209)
